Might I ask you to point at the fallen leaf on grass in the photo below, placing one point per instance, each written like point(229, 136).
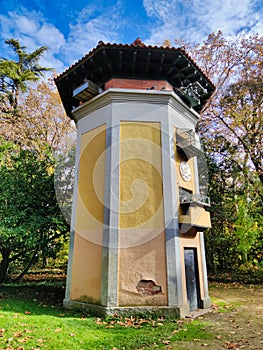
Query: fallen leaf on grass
point(180, 321)
point(129, 322)
point(135, 322)
point(22, 340)
point(17, 334)
point(229, 345)
point(58, 330)
point(99, 321)
point(166, 342)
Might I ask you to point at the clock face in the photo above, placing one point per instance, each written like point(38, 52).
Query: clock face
point(185, 171)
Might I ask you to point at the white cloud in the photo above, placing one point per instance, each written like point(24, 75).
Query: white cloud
point(91, 26)
point(174, 19)
point(194, 20)
point(52, 37)
point(24, 24)
point(33, 31)
point(229, 16)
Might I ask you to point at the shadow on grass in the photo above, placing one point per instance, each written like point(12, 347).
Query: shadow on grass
point(36, 298)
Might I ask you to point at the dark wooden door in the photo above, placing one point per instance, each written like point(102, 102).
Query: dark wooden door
point(192, 278)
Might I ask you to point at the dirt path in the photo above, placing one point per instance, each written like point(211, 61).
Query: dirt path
point(235, 323)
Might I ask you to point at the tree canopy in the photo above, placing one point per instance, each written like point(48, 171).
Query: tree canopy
point(231, 127)
point(32, 123)
point(15, 75)
point(30, 218)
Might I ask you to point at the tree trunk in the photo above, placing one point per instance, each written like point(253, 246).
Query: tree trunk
point(4, 265)
point(244, 256)
point(31, 262)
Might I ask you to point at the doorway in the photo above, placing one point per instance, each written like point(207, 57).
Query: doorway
point(192, 278)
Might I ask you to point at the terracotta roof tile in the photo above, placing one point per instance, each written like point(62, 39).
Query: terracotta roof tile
point(137, 43)
point(135, 61)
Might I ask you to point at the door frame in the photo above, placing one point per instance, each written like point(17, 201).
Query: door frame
point(196, 282)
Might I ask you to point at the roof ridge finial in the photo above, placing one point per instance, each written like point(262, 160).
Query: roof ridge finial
point(138, 42)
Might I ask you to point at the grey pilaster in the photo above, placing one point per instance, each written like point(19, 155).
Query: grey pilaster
point(206, 301)
point(196, 177)
point(109, 281)
point(73, 221)
point(170, 194)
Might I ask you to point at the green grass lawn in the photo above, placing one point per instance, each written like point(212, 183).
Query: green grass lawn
point(32, 317)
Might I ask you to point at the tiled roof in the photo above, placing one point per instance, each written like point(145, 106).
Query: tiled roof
point(135, 44)
point(135, 60)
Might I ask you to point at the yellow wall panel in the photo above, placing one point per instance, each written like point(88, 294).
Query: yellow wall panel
point(87, 261)
point(141, 192)
point(141, 220)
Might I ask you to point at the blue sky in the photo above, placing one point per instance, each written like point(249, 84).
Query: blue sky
point(71, 28)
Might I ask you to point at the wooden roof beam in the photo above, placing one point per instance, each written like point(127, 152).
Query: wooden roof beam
point(106, 56)
point(88, 75)
point(161, 63)
point(149, 55)
point(134, 57)
point(120, 60)
point(96, 64)
point(174, 63)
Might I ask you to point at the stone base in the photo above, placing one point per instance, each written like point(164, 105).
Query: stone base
point(206, 303)
point(98, 310)
point(198, 313)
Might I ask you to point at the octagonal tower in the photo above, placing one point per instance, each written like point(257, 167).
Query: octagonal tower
point(139, 210)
